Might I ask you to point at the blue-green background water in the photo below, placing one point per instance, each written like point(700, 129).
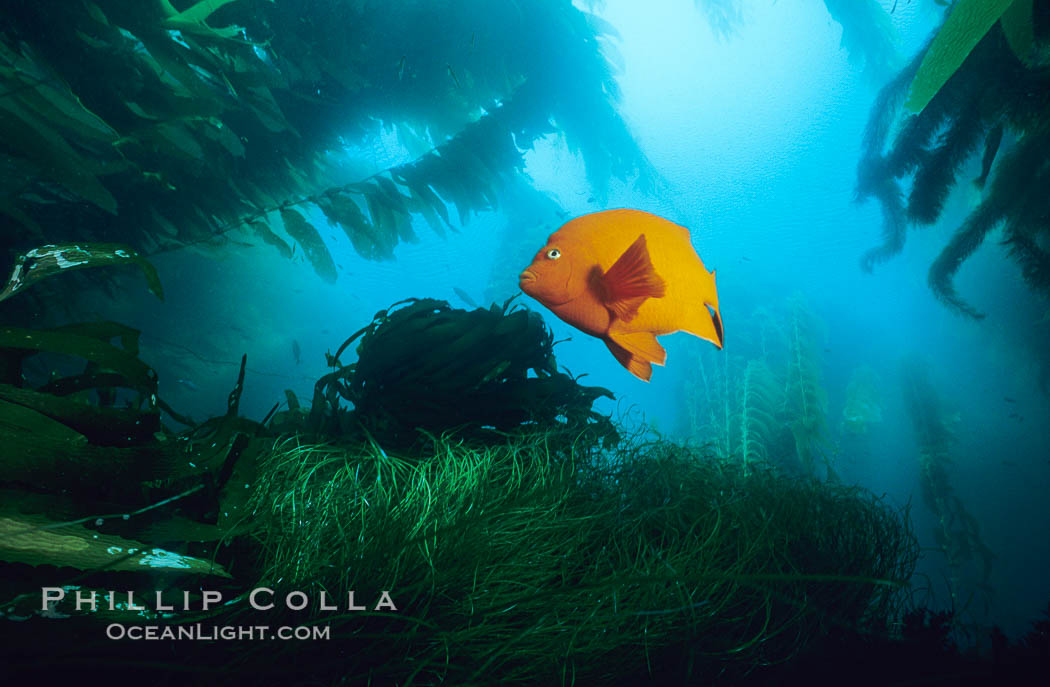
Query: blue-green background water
point(757, 136)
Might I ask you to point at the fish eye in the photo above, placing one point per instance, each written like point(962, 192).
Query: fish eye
point(554, 254)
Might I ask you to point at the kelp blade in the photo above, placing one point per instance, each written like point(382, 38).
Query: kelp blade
point(967, 24)
point(35, 540)
point(50, 260)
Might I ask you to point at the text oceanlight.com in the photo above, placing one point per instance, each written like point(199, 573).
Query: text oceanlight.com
point(199, 632)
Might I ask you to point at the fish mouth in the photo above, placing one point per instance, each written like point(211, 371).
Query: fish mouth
point(526, 278)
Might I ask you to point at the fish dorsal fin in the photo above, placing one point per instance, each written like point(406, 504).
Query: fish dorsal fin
point(630, 281)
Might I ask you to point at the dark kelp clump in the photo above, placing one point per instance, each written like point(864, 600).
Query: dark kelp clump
point(423, 365)
point(949, 105)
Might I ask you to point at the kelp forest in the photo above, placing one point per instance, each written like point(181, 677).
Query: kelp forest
point(454, 498)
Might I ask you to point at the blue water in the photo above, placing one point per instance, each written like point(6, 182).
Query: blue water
point(757, 137)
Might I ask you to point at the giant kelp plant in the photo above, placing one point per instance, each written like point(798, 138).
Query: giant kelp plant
point(982, 84)
point(160, 124)
point(867, 35)
point(863, 407)
point(957, 534)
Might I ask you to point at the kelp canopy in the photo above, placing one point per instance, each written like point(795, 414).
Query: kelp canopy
point(166, 122)
point(867, 33)
point(986, 72)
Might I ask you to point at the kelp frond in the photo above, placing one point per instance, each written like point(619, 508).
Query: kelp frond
point(957, 533)
point(769, 403)
point(966, 24)
point(169, 123)
point(867, 35)
point(978, 79)
point(724, 16)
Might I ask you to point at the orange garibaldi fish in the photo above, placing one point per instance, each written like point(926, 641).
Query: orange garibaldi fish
point(626, 277)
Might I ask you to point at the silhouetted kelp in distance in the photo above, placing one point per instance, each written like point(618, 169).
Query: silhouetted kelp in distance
point(867, 33)
point(154, 127)
point(768, 402)
point(724, 16)
point(1004, 82)
point(957, 534)
point(863, 407)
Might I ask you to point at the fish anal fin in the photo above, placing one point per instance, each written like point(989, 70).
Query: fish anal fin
point(641, 345)
point(641, 369)
point(631, 280)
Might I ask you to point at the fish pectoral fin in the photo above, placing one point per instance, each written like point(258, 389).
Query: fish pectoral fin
point(636, 366)
point(641, 345)
point(631, 280)
point(626, 309)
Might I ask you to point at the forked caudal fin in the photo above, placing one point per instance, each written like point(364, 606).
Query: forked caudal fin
point(716, 320)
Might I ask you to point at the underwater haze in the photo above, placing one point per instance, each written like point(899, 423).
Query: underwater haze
point(882, 264)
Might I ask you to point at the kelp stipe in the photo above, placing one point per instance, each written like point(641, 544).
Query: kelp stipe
point(760, 398)
point(806, 398)
point(770, 402)
point(957, 534)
